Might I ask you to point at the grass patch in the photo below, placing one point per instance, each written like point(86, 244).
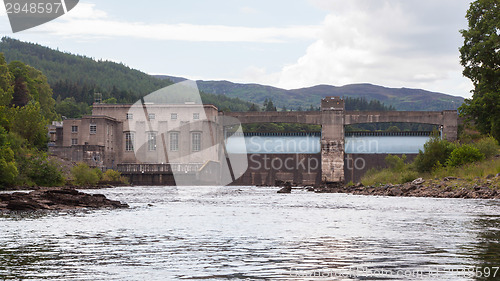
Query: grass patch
point(470, 171)
point(472, 163)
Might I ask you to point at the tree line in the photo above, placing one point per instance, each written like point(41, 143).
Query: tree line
point(26, 107)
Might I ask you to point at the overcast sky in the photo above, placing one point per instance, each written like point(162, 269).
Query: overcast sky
point(289, 44)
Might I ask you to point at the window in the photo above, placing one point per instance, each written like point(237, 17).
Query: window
point(173, 116)
point(130, 116)
point(129, 141)
point(151, 116)
point(151, 141)
point(93, 129)
point(174, 141)
point(74, 129)
point(196, 116)
point(74, 141)
point(196, 141)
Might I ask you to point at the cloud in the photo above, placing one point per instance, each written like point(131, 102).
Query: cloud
point(88, 22)
point(248, 10)
point(391, 43)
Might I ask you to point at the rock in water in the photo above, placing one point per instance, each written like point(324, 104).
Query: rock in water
point(55, 199)
point(286, 189)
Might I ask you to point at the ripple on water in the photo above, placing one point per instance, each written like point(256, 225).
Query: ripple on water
point(247, 233)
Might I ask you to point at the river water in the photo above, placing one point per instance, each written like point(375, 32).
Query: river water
point(253, 233)
point(312, 144)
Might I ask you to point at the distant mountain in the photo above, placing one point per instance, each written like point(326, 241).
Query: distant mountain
point(79, 77)
point(401, 99)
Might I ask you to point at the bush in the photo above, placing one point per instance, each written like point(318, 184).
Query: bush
point(8, 173)
point(112, 176)
point(463, 155)
point(395, 163)
point(436, 151)
point(378, 177)
point(99, 173)
point(488, 146)
point(408, 176)
point(44, 172)
point(8, 168)
point(84, 175)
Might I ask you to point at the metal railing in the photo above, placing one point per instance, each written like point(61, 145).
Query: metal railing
point(158, 168)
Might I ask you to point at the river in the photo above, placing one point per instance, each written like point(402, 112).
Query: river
point(252, 233)
point(312, 144)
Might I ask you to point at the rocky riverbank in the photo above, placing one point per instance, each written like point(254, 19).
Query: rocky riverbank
point(449, 187)
point(55, 199)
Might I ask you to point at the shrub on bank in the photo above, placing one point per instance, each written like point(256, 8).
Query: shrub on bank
point(395, 163)
point(114, 177)
point(398, 172)
point(463, 155)
point(84, 175)
point(436, 152)
point(488, 146)
point(469, 171)
point(440, 159)
point(43, 171)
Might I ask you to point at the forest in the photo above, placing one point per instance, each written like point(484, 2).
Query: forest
point(26, 107)
point(76, 79)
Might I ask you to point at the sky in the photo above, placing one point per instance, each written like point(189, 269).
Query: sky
point(288, 44)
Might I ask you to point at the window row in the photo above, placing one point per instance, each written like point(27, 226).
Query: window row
point(152, 116)
point(173, 141)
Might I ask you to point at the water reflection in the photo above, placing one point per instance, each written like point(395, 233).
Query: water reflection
point(486, 251)
point(238, 233)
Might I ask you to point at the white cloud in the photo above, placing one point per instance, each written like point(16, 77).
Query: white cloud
point(88, 22)
point(85, 11)
point(390, 43)
point(248, 10)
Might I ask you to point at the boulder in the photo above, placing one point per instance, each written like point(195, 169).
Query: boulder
point(286, 189)
point(418, 181)
point(55, 199)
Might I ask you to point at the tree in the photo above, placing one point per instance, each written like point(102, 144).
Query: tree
point(8, 169)
point(481, 61)
point(6, 82)
point(29, 123)
point(269, 105)
point(111, 100)
point(254, 107)
point(69, 108)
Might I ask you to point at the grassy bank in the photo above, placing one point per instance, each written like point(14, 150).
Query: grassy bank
point(472, 162)
point(466, 175)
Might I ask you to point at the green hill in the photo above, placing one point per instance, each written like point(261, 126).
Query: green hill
point(401, 99)
point(79, 77)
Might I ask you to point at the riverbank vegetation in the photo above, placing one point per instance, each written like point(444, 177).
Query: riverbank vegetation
point(84, 175)
point(473, 160)
point(26, 108)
